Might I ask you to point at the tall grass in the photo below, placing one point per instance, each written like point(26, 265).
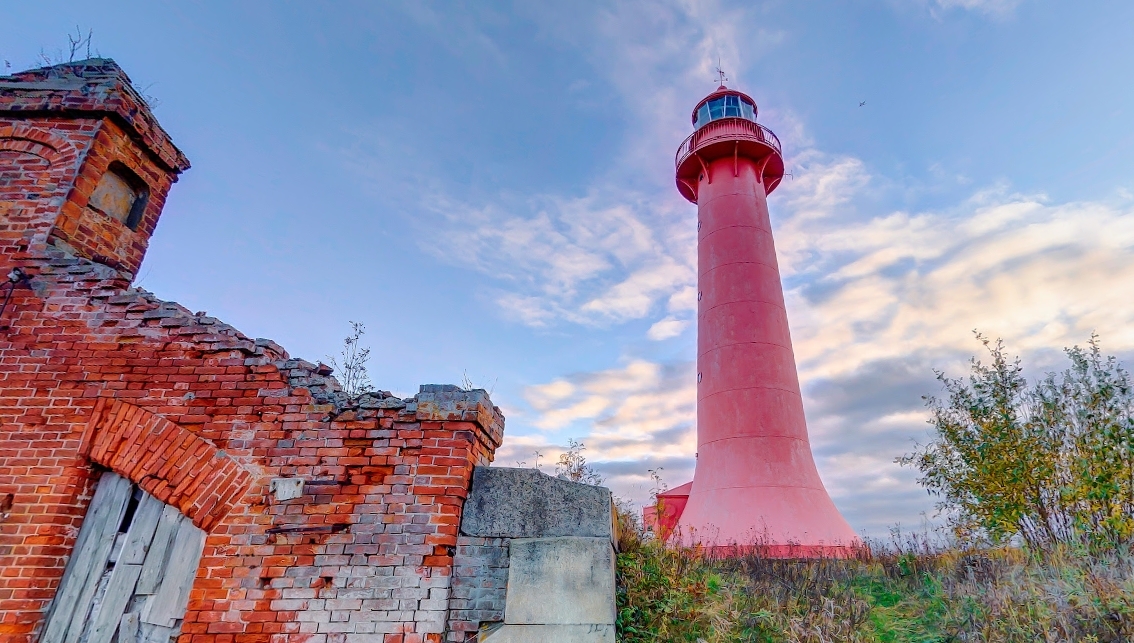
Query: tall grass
point(891, 594)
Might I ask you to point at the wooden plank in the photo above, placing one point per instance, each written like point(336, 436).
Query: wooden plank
point(116, 548)
point(80, 618)
point(83, 543)
point(118, 593)
point(88, 559)
point(169, 602)
point(128, 630)
point(154, 566)
point(96, 603)
point(71, 585)
point(156, 634)
point(141, 532)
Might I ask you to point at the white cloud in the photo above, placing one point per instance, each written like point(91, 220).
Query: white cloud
point(624, 409)
point(667, 328)
point(632, 418)
point(1038, 275)
point(684, 300)
point(595, 260)
point(992, 7)
point(625, 250)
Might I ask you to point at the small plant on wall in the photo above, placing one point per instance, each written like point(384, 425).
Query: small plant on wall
point(350, 365)
point(573, 465)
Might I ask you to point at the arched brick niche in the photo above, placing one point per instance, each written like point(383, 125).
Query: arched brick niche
point(33, 162)
point(53, 148)
point(165, 460)
point(36, 166)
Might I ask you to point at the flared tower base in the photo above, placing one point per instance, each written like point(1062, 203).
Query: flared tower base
point(776, 522)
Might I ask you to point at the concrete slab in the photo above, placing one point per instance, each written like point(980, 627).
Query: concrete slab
point(549, 634)
point(525, 503)
point(560, 581)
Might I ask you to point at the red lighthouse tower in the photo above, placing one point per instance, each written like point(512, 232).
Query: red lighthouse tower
point(755, 482)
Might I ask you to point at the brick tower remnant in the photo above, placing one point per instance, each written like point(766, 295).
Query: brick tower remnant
point(161, 473)
point(755, 481)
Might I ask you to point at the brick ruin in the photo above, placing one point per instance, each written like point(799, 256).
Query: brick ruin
point(297, 514)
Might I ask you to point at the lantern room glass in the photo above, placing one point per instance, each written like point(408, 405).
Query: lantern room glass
point(727, 106)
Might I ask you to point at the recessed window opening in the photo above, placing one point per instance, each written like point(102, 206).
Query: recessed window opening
point(120, 195)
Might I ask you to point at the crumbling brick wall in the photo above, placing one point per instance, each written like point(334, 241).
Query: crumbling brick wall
point(480, 583)
point(96, 374)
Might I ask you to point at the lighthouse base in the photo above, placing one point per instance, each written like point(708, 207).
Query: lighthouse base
point(772, 522)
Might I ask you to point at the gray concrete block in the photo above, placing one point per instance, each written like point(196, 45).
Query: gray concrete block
point(526, 503)
point(560, 581)
point(549, 634)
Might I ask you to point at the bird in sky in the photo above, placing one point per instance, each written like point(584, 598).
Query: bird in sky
point(862, 104)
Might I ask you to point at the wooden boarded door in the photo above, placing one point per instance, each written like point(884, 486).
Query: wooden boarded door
point(129, 576)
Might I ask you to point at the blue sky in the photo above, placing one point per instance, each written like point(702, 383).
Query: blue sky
point(489, 187)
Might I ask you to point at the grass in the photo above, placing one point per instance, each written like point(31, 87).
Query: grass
point(890, 594)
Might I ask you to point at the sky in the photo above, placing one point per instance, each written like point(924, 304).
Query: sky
point(489, 187)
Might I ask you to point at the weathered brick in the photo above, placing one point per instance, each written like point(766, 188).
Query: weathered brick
point(97, 374)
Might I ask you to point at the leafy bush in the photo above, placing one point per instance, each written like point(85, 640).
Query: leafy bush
point(1050, 463)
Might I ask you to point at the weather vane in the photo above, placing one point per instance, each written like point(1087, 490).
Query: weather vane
point(721, 78)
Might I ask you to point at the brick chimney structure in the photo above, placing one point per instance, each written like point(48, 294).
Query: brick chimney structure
point(86, 166)
point(164, 476)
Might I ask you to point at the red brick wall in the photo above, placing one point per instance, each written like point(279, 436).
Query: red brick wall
point(95, 373)
point(386, 479)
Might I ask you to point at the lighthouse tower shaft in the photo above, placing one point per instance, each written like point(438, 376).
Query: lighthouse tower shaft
point(755, 481)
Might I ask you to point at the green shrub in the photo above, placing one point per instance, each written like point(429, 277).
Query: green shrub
point(1050, 463)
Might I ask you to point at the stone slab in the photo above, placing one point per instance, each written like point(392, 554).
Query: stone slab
point(549, 634)
point(560, 581)
point(506, 502)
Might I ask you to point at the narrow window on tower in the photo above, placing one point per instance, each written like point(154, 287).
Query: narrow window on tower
point(120, 195)
point(746, 110)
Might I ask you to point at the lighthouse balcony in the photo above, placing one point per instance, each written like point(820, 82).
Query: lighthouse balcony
point(735, 138)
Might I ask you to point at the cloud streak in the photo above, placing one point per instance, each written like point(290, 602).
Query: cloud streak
point(635, 417)
point(998, 8)
point(592, 260)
